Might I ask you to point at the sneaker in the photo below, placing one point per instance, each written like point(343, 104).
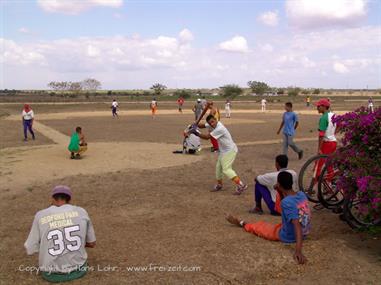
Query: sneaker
point(25, 140)
point(240, 188)
point(77, 156)
point(216, 188)
point(256, 210)
point(300, 155)
point(72, 156)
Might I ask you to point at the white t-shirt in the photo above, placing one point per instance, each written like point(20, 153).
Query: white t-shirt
point(263, 102)
point(222, 135)
point(227, 106)
point(192, 142)
point(270, 179)
point(59, 235)
point(28, 115)
point(153, 104)
point(115, 104)
point(331, 129)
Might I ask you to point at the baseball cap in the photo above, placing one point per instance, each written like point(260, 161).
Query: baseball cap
point(198, 100)
point(62, 189)
point(323, 102)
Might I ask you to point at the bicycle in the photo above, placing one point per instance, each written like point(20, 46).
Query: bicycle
point(309, 177)
point(356, 214)
point(319, 183)
point(330, 194)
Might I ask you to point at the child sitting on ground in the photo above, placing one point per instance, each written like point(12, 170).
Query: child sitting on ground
point(264, 187)
point(296, 217)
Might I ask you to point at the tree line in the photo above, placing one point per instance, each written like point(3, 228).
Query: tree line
point(229, 91)
point(88, 84)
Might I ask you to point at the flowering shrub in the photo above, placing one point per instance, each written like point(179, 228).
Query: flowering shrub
point(359, 159)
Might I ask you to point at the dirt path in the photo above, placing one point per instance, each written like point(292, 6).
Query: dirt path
point(51, 133)
point(276, 141)
point(66, 115)
point(24, 166)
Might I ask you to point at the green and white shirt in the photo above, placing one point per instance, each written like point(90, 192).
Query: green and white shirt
point(326, 126)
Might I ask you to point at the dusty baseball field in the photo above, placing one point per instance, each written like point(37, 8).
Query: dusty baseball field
point(152, 210)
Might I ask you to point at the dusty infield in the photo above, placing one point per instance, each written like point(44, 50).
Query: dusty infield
point(152, 208)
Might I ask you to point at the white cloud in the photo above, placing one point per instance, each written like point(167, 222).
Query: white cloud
point(267, 48)
point(338, 40)
point(339, 67)
point(118, 16)
point(112, 53)
point(269, 18)
point(236, 44)
point(75, 7)
point(14, 54)
point(93, 51)
point(327, 59)
point(291, 60)
point(186, 36)
point(222, 67)
point(23, 30)
point(325, 13)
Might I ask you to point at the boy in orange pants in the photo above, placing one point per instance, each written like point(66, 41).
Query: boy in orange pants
point(296, 218)
point(153, 107)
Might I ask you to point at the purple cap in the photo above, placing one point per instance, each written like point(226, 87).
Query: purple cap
point(62, 189)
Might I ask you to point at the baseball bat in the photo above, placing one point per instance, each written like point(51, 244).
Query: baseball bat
point(202, 114)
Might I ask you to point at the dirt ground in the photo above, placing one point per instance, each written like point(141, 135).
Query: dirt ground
point(152, 207)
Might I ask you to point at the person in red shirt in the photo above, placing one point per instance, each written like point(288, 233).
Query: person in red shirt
point(180, 102)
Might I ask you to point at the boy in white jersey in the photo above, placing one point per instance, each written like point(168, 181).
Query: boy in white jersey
point(114, 108)
point(263, 104)
point(227, 152)
point(60, 234)
point(228, 107)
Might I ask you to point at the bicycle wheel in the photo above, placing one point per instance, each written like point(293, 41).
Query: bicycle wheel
point(329, 194)
point(309, 177)
point(356, 215)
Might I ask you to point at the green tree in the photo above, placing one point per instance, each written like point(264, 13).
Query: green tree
point(280, 91)
point(316, 91)
point(91, 84)
point(258, 87)
point(158, 88)
point(183, 93)
point(231, 90)
point(293, 91)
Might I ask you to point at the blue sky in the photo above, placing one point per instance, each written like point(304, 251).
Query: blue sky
point(192, 44)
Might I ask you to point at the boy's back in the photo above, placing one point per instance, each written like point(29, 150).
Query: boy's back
point(294, 207)
point(74, 142)
point(59, 234)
